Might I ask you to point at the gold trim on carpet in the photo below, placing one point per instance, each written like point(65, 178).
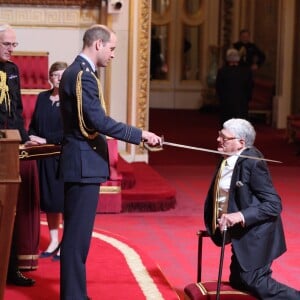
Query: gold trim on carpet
point(136, 266)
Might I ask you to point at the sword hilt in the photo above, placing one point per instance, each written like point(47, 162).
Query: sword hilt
point(156, 148)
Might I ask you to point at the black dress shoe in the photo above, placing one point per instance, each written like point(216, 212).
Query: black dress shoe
point(19, 279)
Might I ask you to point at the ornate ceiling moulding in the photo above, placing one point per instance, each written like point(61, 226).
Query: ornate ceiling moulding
point(82, 3)
point(50, 16)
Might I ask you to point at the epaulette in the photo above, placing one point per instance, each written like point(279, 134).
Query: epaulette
point(85, 67)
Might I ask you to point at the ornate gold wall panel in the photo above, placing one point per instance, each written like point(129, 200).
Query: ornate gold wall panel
point(142, 72)
point(141, 76)
point(143, 63)
point(51, 17)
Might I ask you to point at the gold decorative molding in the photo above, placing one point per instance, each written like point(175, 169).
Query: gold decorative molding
point(143, 62)
point(51, 17)
point(162, 19)
point(139, 28)
point(52, 2)
point(227, 20)
point(192, 19)
point(143, 47)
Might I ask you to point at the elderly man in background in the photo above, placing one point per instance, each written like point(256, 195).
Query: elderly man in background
point(11, 118)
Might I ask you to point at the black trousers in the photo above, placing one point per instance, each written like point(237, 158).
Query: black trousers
point(79, 215)
point(260, 283)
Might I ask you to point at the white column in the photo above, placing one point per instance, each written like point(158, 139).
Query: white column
point(282, 100)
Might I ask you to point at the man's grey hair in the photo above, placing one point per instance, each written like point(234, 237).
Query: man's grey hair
point(232, 55)
point(4, 27)
point(96, 32)
point(241, 129)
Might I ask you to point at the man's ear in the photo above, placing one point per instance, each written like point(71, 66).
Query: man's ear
point(243, 143)
point(98, 44)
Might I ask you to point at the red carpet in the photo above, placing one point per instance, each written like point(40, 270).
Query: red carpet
point(169, 237)
point(151, 192)
point(116, 269)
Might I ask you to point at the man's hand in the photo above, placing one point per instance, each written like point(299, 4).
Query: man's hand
point(151, 138)
point(229, 220)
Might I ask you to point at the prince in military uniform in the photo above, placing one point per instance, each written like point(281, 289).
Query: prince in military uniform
point(84, 158)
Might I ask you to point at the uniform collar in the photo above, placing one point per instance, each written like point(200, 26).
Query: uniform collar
point(89, 61)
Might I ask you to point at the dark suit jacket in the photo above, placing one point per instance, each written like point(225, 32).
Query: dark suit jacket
point(253, 54)
point(262, 239)
point(234, 86)
point(11, 115)
point(84, 160)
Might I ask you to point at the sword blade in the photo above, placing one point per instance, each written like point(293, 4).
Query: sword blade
point(217, 152)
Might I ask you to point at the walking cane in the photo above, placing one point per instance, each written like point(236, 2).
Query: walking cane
point(221, 263)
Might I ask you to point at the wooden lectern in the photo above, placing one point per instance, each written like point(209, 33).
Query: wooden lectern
point(9, 188)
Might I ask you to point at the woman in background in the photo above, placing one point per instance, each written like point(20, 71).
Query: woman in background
point(46, 128)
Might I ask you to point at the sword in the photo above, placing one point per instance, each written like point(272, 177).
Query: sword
point(160, 147)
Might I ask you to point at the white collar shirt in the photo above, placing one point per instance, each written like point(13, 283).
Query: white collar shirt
point(224, 183)
point(89, 61)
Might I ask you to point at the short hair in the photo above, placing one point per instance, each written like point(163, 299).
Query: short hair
point(57, 66)
point(232, 55)
point(4, 27)
point(241, 129)
point(96, 32)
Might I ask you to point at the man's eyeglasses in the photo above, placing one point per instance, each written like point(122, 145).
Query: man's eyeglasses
point(8, 44)
point(225, 138)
